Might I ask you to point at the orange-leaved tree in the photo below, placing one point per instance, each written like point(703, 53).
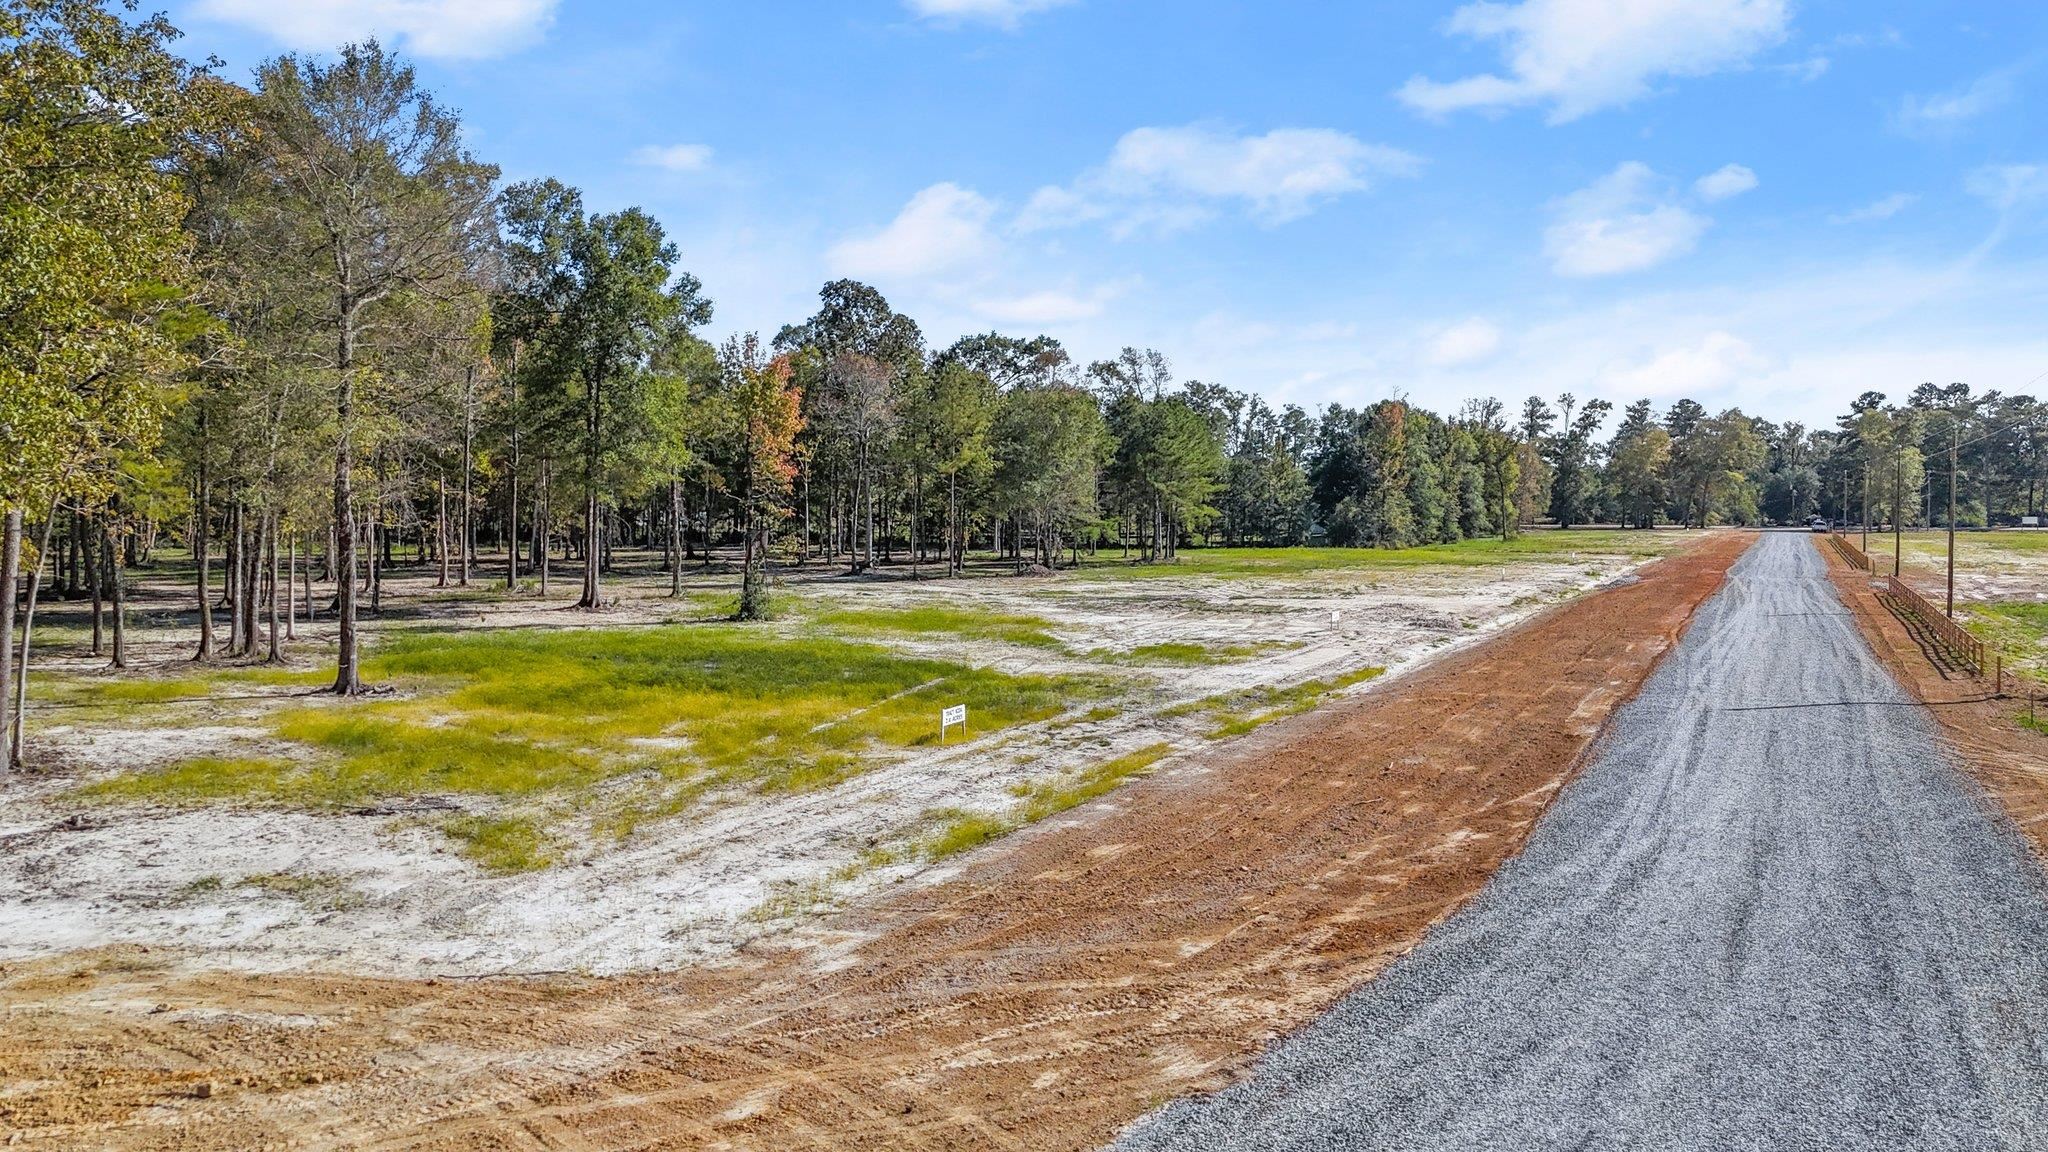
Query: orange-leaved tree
point(763, 409)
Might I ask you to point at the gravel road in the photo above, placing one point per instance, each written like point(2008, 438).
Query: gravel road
point(1770, 914)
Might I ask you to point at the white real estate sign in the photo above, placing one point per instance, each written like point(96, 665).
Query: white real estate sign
point(957, 714)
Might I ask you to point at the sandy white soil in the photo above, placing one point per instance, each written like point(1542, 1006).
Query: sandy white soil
point(384, 892)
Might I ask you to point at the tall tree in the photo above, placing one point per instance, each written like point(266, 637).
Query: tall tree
point(1051, 445)
point(1637, 460)
point(766, 417)
point(601, 295)
point(95, 110)
point(376, 207)
point(1573, 458)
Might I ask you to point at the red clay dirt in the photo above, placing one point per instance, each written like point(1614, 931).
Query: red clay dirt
point(1067, 981)
point(2009, 761)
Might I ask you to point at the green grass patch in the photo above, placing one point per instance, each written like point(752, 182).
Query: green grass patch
point(2009, 551)
point(202, 683)
point(942, 620)
point(1236, 713)
point(204, 778)
point(1240, 563)
point(1053, 797)
point(2018, 631)
point(964, 831)
point(502, 844)
point(1187, 654)
point(514, 714)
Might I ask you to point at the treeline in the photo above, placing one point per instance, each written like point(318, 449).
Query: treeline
point(300, 329)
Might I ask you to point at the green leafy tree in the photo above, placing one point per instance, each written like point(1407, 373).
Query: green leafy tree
point(363, 192)
point(95, 113)
point(603, 296)
point(1051, 445)
point(1637, 460)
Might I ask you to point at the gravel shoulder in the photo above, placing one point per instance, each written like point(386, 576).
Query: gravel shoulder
point(1770, 913)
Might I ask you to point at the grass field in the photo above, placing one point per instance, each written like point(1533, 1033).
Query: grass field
point(1241, 563)
point(557, 734)
point(2016, 550)
point(516, 714)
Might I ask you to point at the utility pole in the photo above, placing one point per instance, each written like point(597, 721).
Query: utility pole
point(1955, 434)
point(1866, 508)
point(1898, 510)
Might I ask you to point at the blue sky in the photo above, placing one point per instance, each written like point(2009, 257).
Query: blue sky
point(1750, 202)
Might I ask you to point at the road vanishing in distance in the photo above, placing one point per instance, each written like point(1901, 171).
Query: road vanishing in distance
point(1771, 913)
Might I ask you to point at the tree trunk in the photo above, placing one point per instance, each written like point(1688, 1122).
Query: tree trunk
point(441, 527)
point(540, 528)
point(916, 514)
point(68, 574)
point(230, 576)
point(468, 523)
point(252, 567)
point(94, 561)
point(111, 565)
point(867, 514)
point(291, 583)
point(271, 586)
point(675, 536)
point(10, 576)
point(512, 500)
point(200, 539)
point(379, 536)
point(12, 756)
point(753, 600)
point(593, 592)
point(347, 676)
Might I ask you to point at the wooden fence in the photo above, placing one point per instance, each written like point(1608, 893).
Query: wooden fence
point(1851, 553)
point(1951, 635)
point(1961, 644)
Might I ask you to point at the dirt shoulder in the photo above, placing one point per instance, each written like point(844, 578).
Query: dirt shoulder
point(2009, 761)
point(1141, 947)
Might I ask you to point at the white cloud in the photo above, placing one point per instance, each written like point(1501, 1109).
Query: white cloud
point(444, 29)
point(1466, 342)
point(942, 228)
point(1716, 363)
point(1724, 182)
point(1171, 178)
point(1808, 70)
point(1002, 13)
point(1883, 209)
point(1623, 222)
point(1947, 111)
point(1579, 56)
point(674, 157)
point(2006, 186)
point(1050, 307)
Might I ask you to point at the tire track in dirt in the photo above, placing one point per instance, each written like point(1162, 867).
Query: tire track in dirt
point(1141, 947)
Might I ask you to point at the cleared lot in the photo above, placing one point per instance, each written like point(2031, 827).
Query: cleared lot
point(1771, 912)
point(542, 790)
